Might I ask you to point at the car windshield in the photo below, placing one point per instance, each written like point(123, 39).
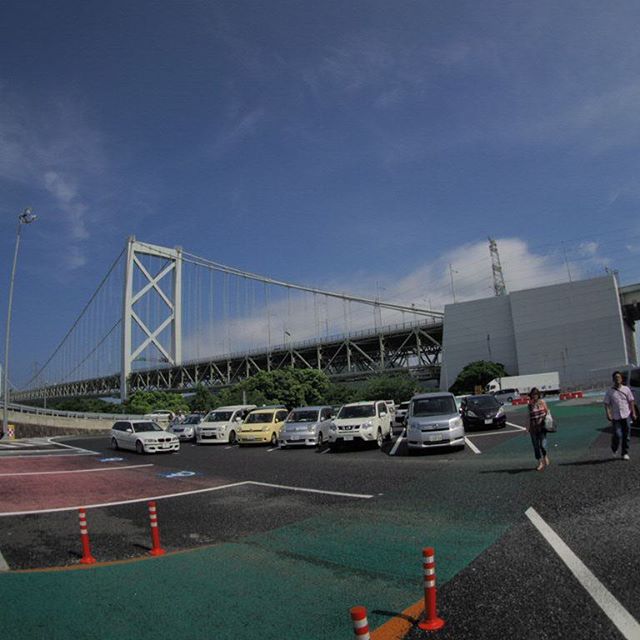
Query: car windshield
point(357, 411)
point(192, 420)
point(484, 402)
point(303, 416)
point(255, 418)
point(141, 427)
point(437, 406)
point(403, 405)
point(219, 416)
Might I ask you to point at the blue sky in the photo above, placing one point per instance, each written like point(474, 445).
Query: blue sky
point(352, 145)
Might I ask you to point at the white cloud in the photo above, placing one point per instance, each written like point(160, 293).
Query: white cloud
point(52, 147)
point(242, 127)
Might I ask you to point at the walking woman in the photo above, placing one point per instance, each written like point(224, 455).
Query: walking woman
point(538, 411)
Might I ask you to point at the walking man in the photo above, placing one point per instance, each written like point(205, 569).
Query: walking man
point(619, 405)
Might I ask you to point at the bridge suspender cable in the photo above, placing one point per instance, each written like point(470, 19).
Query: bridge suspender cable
point(77, 320)
point(196, 260)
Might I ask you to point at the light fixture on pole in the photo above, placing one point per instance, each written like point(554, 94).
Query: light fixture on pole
point(26, 217)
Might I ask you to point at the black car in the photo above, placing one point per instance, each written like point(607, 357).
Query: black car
point(482, 412)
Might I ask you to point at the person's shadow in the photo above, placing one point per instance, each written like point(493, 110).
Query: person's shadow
point(511, 472)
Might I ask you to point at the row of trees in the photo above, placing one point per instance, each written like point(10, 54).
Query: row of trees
point(291, 387)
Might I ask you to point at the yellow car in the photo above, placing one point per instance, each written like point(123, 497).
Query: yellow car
point(262, 426)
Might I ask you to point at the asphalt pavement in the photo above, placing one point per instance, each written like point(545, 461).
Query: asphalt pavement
point(288, 540)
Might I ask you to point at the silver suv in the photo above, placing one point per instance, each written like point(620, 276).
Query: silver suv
point(433, 421)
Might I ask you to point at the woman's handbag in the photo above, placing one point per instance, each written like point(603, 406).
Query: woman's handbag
point(550, 425)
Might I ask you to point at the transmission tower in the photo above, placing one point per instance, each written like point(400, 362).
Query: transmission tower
point(498, 278)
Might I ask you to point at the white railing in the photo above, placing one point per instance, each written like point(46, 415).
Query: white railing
point(80, 415)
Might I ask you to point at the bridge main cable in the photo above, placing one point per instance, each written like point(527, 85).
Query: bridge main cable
point(216, 266)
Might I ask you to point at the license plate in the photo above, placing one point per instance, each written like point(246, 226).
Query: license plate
point(166, 446)
point(348, 437)
point(296, 437)
point(490, 421)
point(437, 438)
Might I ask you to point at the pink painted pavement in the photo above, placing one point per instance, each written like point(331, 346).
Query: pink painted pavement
point(104, 485)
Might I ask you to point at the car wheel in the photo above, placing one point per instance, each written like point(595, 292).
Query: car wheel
point(139, 447)
point(509, 399)
point(379, 439)
point(233, 439)
point(114, 444)
point(274, 440)
point(320, 441)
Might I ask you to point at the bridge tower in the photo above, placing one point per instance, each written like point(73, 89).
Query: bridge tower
point(171, 296)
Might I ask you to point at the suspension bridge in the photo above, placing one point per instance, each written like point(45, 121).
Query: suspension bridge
point(165, 319)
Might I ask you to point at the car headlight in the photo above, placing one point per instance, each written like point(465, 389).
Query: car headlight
point(456, 422)
point(366, 425)
point(471, 414)
point(500, 412)
point(332, 426)
point(150, 441)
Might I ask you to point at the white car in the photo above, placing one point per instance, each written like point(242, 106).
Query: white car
point(143, 436)
point(368, 421)
point(222, 424)
point(161, 415)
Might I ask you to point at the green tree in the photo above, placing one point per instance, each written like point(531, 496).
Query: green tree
point(477, 373)
point(202, 399)
point(290, 387)
point(142, 402)
point(398, 387)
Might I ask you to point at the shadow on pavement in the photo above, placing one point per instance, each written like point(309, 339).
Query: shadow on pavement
point(588, 462)
point(511, 471)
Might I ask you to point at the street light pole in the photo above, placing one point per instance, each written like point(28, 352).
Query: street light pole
point(26, 217)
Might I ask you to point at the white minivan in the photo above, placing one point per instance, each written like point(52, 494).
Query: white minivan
point(222, 424)
point(506, 395)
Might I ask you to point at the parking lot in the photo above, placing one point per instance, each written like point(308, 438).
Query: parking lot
point(280, 543)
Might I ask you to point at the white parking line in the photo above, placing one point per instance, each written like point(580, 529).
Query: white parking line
point(305, 490)
point(491, 433)
point(185, 493)
point(472, 446)
point(517, 426)
point(68, 446)
point(621, 618)
point(397, 444)
point(272, 449)
point(45, 473)
point(3, 563)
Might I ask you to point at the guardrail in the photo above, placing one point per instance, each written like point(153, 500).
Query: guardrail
point(20, 408)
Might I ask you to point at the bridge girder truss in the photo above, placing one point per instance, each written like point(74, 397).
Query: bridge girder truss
point(415, 348)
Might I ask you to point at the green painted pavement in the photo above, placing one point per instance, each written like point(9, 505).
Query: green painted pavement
point(578, 427)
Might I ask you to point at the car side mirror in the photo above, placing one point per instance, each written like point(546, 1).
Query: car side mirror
point(129, 430)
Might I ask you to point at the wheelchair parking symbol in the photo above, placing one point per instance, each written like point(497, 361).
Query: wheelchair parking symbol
point(178, 474)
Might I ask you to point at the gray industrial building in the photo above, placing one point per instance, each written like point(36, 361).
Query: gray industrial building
point(575, 328)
